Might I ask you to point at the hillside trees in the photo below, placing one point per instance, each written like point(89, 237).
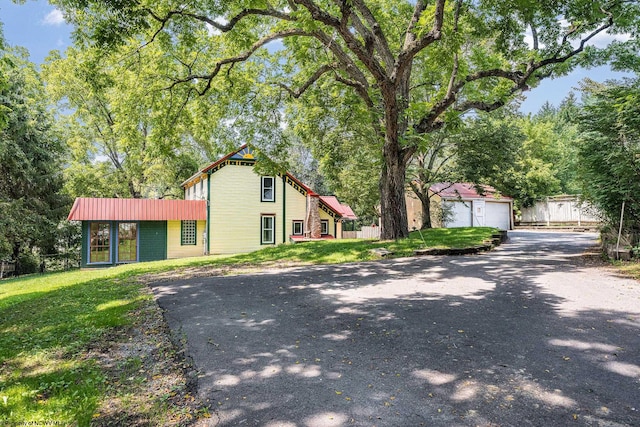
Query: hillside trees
point(31, 203)
point(609, 149)
point(411, 66)
point(525, 157)
point(127, 137)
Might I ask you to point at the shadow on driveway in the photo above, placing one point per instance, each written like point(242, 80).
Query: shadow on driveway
point(526, 335)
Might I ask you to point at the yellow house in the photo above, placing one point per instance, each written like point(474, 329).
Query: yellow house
point(247, 211)
point(228, 208)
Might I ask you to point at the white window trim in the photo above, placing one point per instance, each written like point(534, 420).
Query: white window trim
point(272, 229)
point(263, 187)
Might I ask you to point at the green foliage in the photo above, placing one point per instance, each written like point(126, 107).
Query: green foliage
point(30, 161)
point(527, 158)
point(433, 162)
point(127, 136)
point(609, 148)
point(397, 68)
point(343, 144)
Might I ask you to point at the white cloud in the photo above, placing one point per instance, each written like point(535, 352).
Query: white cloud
point(604, 39)
point(54, 18)
point(601, 40)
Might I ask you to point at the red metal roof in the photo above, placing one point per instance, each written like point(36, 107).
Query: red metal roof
point(94, 209)
point(301, 184)
point(334, 204)
point(465, 190)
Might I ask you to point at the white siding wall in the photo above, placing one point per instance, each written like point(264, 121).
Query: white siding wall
point(197, 191)
point(461, 212)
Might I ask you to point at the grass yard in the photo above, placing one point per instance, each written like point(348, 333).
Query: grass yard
point(53, 329)
point(629, 268)
point(352, 250)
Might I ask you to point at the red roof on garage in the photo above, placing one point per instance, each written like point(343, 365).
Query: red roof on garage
point(466, 190)
point(94, 209)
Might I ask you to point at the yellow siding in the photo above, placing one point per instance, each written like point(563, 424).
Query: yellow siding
point(339, 230)
point(296, 209)
point(332, 225)
point(175, 249)
point(236, 210)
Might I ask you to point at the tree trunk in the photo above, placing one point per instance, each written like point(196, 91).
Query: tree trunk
point(393, 206)
point(426, 212)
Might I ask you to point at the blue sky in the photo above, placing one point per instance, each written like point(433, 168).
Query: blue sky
point(40, 28)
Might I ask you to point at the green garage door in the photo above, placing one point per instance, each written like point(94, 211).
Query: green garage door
point(153, 240)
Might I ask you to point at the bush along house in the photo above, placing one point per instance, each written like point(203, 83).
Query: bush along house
point(228, 208)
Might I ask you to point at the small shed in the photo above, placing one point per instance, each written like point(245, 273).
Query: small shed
point(120, 231)
point(470, 205)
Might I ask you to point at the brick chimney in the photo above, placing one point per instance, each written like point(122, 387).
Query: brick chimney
point(314, 227)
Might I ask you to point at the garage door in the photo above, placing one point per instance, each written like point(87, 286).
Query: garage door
point(460, 214)
point(498, 215)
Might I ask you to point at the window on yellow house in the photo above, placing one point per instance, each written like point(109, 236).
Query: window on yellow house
point(268, 189)
point(298, 228)
point(268, 229)
point(189, 233)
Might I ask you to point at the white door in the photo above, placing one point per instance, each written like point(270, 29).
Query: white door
point(478, 213)
point(498, 215)
point(460, 214)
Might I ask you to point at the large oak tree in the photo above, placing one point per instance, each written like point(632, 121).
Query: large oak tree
point(411, 65)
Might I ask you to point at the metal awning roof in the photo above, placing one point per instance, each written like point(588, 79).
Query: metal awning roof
point(96, 209)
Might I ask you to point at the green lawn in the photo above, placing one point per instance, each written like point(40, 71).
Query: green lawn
point(49, 323)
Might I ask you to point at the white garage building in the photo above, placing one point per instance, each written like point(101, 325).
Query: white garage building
point(469, 208)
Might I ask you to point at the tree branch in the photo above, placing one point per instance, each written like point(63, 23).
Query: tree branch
point(221, 27)
point(354, 45)
point(381, 44)
point(347, 65)
point(456, 63)
point(413, 44)
point(534, 36)
point(431, 121)
point(558, 60)
point(314, 77)
point(233, 60)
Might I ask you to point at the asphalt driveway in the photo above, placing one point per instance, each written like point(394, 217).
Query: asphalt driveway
point(526, 335)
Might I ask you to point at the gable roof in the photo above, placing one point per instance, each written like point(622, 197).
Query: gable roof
point(95, 209)
point(466, 190)
point(244, 153)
